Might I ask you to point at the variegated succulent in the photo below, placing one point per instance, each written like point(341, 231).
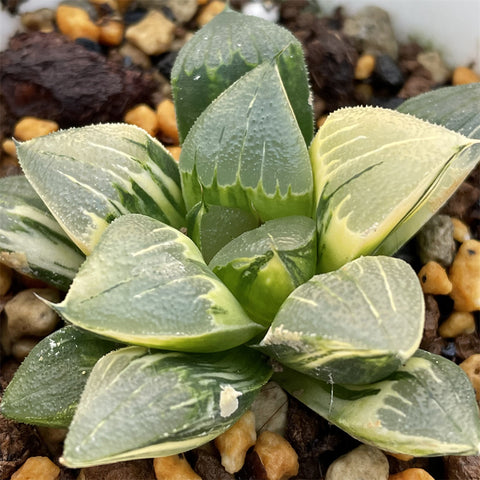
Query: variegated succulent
point(264, 242)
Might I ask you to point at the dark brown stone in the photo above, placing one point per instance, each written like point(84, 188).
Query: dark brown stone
point(467, 345)
point(135, 469)
point(47, 76)
point(206, 463)
point(462, 468)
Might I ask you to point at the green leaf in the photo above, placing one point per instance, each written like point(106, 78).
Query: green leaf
point(157, 403)
point(343, 326)
point(211, 227)
point(88, 176)
point(379, 175)
point(146, 283)
point(456, 108)
point(426, 408)
point(263, 266)
point(31, 240)
point(47, 386)
point(246, 151)
point(226, 48)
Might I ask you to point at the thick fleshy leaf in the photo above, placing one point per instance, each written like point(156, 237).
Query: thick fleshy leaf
point(343, 326)
point(456, 108)
point(226, 48)
point(90, 175)
point(146, 283)
point(211, 227)
point(426, 408)
point(31, 240)
point(246, 151)
point(47, 386)
point(379, 175)
point(156, 403)
point(263, 266)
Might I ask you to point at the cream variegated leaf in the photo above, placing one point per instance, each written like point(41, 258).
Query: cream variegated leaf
point(379, 175)
point(426, 408)
point(146, 283)
point(157, 403)
point(99, 172)
point(31, 240)
point(342, 326)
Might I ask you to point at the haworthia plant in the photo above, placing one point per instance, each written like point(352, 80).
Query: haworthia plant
point(48, 384)
point(280, 253)
point(342, 327)
point(31, 240)
point(267, 209)
point(157, 403)
point(100, 172)
point(221, 53)
point(147, 284)
point(355, 168)
point(231, 158)
point(426, 408)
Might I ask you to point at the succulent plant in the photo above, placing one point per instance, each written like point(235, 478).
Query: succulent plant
point(263, 245)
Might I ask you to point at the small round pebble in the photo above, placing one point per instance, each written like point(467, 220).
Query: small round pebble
point(111, 33)
point(465, 277)
point(75, 23)
point(167, 123)
point(41, 20)
point(364, 67)
point(8, 146)
point(38, 468)
point(433, 62)
point(412, 474)
point(372, 32)
point(144, 117)
point(6, 276)
point(153, 34)
point(461, 232)
point(471, 366)
point(364, 462)
point(388, 74)
point(175, 151)
point(435, 241)
point(277, 456)
point(458, 323)
point(209, 12)
point(464, 75)
point(31, 127)
point(434, 279)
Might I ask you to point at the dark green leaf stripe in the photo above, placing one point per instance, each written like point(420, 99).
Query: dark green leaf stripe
point(99, 172)
point(225, 49)
point(31, 240)
point(237, 155)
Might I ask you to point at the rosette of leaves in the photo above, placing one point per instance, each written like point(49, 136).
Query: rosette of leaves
point(287, 254)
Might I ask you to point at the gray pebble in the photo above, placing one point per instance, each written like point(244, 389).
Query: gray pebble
point(362, 463)
point(435, 241)
point(372, 32)
point(433, 62)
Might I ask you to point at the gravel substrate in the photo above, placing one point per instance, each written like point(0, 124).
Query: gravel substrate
point(68, 68)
